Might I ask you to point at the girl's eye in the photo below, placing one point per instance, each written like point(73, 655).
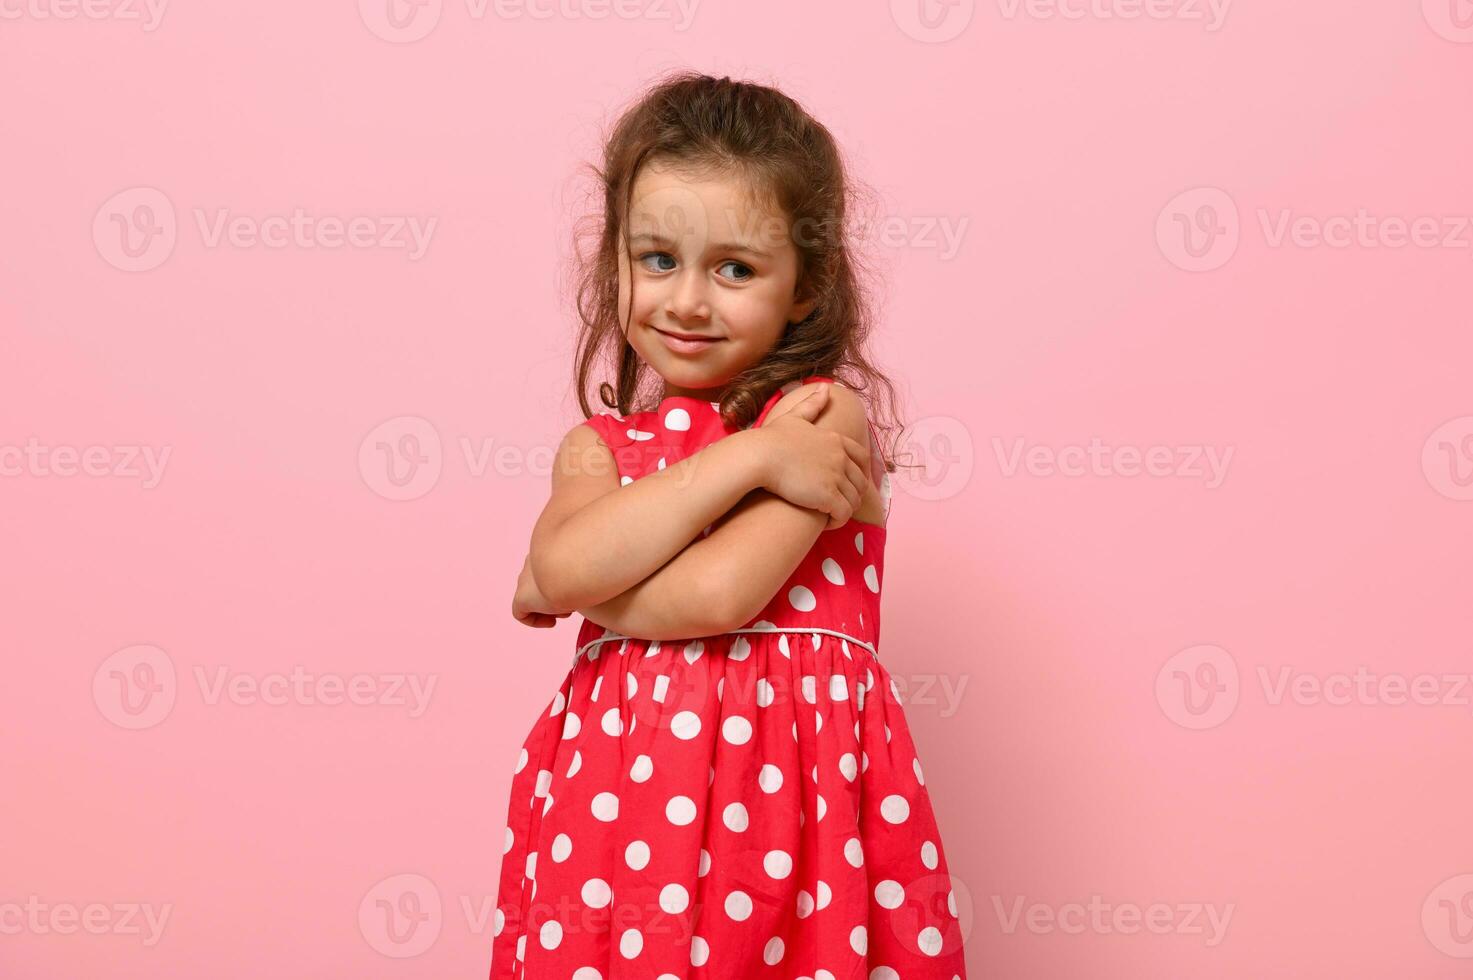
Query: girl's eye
point(743, 272)
point(657, 256)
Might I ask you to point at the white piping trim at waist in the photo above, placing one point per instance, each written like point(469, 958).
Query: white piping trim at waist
point(766, 629)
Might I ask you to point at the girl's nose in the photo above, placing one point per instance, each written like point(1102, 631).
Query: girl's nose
point(687, 299)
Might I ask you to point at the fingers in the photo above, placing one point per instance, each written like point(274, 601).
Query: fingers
point(858, 453)
point(811, 404)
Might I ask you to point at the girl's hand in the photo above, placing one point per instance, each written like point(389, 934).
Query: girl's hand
point(529, 606)
point(819, 469)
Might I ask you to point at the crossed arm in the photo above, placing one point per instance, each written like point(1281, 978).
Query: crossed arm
point(632, 558)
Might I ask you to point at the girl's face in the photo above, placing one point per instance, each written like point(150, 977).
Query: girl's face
point(709, 264)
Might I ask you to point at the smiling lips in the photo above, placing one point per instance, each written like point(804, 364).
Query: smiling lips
point(686, 343)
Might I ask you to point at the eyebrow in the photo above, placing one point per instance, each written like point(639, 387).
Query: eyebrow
point(657, 238)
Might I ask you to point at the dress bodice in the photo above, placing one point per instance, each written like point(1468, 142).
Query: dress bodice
point(837, 584)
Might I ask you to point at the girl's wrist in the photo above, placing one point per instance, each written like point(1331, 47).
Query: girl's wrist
point(755, 460)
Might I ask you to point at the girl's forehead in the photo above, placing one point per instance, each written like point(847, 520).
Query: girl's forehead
point(712, 207)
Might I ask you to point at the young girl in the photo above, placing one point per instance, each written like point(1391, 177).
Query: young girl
point(725, 785)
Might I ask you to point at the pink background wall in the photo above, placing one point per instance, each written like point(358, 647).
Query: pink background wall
point(1233, 684)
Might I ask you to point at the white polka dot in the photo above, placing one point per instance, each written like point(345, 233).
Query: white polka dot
point(674, 899)
point(587, 973)
point(631, 687)
point(544, 782)
point(832, 571)
point(802, 598)
point(639, 435)
point(596, 893)
point(693, 651)
point(703, 866)
point(872, 579)
point(822, 806)
point(825, 895)
point(894, 808)
point(498, 922)
point(662, 684)
point(886, 973)
point(848, 766)
point(637, 855)
point(772, 953)
point(859, 940)
point(643, 768)
point(736, 730)
point(777, 864)
point(770, 778)
point(740, 650)
point(854, 852)
point(509, 838)
point(576, 765)
point(929, 941)
point(735, 817)
point(805, 904)
point(686, 725)
point(521, 761)
point(810, 688)
point(739, 905)
point(606, 807)
point(699, 951)
point(559, 702)
point(838, 688)
point(562, 846)
point(681, 810)
point(764, 692)
point(889, 894)
point(859, 542)
point(677, 420)
point(929, 855)
point(612, 724)
point(551, 934)
point(631, 943)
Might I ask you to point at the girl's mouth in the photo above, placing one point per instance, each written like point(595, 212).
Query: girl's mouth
point(686, 343)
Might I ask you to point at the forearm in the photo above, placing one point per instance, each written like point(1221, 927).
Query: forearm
point(622, 538)
point(674, 602)
point(718, 582)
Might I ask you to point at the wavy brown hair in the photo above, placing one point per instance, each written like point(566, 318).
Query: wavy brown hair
point(700, 124)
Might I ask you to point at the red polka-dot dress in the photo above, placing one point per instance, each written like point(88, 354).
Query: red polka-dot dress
point(731, 807)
